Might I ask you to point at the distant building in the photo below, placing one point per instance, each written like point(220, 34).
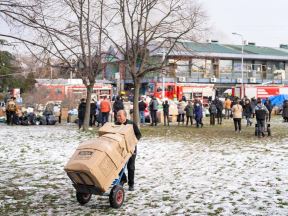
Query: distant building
point(216, 63)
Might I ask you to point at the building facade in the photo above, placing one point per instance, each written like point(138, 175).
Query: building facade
point(216, 63)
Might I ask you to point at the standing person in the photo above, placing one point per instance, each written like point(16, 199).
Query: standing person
point(11, 111)
point(227, 107)
point(105, 108)
point(181, 113)
point(118, 105)
point(198, 113)
point(247, 112)
point(166, 112)
point(269, 107)
point(122, 119)
point(213, 113)
point(219, 106)
point(189, 113)
point(153, 106)
point(81, 112)
point(92, 113)
point(260, 113)
point(253, 105)
point(237, 111)
point(98, 114)
point(285, 111)
point(142, 106)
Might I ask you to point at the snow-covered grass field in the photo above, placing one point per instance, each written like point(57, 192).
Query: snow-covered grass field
point(179, 171)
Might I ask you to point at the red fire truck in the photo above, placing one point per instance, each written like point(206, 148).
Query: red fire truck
point(260, 91)
point(178, 90)
point(73, 89)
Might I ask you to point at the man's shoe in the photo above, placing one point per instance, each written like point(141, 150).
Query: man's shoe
point(131, 188)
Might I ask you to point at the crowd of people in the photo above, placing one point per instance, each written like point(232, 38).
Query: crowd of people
point(21, 115)
point(188, 112)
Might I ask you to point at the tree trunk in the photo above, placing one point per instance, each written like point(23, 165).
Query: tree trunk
point(87, 110)
point(137, 85)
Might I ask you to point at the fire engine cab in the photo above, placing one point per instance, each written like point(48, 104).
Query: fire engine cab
point(178, 90)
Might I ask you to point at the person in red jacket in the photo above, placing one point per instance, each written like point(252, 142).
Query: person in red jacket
point(105, 108)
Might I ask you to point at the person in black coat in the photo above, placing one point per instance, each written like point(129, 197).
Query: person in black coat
point(219, 105)
point(118, 105)
point(248, 111)
point(285, 111)
point(269, 108)
point(81, 112)
point(122, 119)
point(166, 112)
point(92, 113)
point(142, 106)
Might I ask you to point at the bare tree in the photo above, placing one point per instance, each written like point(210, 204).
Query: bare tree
point(37, 98)
point(149, 27)
point(69, 30)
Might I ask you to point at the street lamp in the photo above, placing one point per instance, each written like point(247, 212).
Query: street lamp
point(242, 56)
point(163, 75)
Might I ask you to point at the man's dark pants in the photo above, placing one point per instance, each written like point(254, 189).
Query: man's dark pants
point(131, 171)
point(261, 126)
point(105, 116)
point(154, 117)
point(166, 118)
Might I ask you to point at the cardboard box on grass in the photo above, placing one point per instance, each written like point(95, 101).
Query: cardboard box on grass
point(64, 113)
point(97, 162)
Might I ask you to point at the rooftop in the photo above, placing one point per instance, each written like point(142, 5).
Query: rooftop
point(213, 49)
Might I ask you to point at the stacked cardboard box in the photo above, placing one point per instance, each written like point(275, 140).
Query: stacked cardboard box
point(97, 162)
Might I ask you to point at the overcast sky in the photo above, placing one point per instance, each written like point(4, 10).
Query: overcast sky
point(261, 21)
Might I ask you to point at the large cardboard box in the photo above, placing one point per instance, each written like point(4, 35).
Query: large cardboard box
point(126, 130)
point(64, 113)
point(97, 162)
point(72, 118)
point(2, 113)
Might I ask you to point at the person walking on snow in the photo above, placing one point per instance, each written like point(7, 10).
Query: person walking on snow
point(237, 115)
point(198, 112)
point(260, 112)
point(247, 112)
point(122, 119)
point(189, 113)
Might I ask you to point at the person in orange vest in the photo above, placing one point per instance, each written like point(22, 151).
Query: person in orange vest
point(105, 107)
point(227, 107)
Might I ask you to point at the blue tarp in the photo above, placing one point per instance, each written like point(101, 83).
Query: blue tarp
point(278, 100)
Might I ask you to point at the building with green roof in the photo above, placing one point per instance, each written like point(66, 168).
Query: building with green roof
point(216, 63)
point(221, 63)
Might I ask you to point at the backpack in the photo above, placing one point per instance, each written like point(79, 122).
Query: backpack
point(11, 106)
point(213, 108)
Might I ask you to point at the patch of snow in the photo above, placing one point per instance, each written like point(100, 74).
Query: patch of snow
point(226, 176)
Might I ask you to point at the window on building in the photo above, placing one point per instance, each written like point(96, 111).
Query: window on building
point(198, 65)
point(225, 66)
point(183, 68)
